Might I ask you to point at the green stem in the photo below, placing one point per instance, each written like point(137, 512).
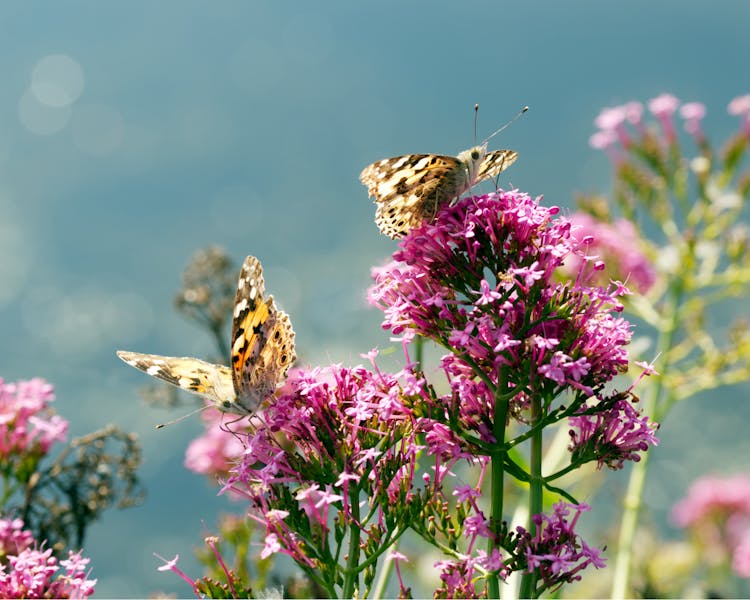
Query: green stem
point(634, 493)
point(497, 476)
point(384, 576)
point(351, 578)
point(419, 352)
point(529, 579)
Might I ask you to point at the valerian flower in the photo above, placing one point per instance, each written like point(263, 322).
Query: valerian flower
point(28, 425)
point(216, 450)
point(556, 550)
point(481, 281)
point(716, 511)
point(618, 245)
point(345, 459)
point(28, 570)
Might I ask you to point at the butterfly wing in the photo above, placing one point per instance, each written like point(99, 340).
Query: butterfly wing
point(495, 163)
point(205, 379)
point(262, 341)
point(409, 189)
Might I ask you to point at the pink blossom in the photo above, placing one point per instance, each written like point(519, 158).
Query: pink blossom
point(30, 571)
point(271, 545)
point(740, 107)
point(663, 107)
point(713, 494)
point(613, 120)
point(693, 113)
point(717, 511)
point(634, 114)
point(13, 537)
point(611, 436)
point(437, 257)
point(482, 281)
point(171, 565)
point(28, 424)
point(556, 550)
point(618, 244)
point(607, 141)
point(741, 557)
point(216, 450)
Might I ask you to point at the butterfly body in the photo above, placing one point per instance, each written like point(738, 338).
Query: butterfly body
point(262, 351)
point(410, 189)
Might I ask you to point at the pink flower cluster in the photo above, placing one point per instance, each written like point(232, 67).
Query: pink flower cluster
point(617, 244)
point(614, 123)
point(29, 571)
point(619, 124)
point(556, 550)
point(612, 435)
point(483, 281)
point(216, 450)
point(27, 424)
point(336, 432)
point(740, 107)
point(342, 449)
point(717, 511)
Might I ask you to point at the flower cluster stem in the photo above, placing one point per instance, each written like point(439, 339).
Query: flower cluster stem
point(529, 579)
point(497, 476)
point(637, 481)
point(351, 581)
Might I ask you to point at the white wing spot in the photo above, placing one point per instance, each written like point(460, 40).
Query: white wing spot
point(238, 344)
point(239, 307)
point(154, 370)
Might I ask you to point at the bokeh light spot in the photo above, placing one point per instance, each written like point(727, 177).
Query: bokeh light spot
point(57, 80)
point(41, 119)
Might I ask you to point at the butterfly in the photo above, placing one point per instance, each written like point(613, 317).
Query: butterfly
point(410, 189)
point(262, 351)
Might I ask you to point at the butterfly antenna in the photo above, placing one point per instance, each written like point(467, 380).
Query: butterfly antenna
point(178, 419)
point(508, 124)
point(476, 116)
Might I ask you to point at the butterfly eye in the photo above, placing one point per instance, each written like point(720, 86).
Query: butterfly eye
point(475, 155)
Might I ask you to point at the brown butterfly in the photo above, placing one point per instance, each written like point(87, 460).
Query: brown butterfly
point(261, 353)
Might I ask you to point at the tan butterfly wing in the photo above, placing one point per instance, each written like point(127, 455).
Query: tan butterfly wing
point(495, 163)
point(409, 189)
point(205, 379)
point(262, 340)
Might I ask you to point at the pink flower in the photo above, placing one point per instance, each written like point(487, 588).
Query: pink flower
point(13, 537)
point(271, 546)
point(30, 571)
point(612, 121)
point(740, 107)
point(741, 557)
point(27, 422)
point(216, 450)
point(717, 512)
point(556, 550)
point(611, 436)
point(171, 565)
point(693, 113)
point(663, 107)
point(618, 244)
point(634, 114)
point(607, 141)
point(713, 495)
point(440, 257)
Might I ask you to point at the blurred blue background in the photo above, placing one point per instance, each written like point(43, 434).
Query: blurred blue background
point(133, 133)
